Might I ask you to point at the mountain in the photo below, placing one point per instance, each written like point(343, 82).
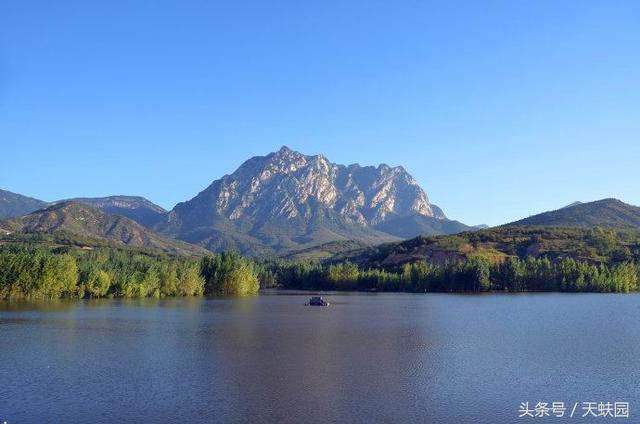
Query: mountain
point(288, 201)
point(12, 204)
point(82, 220)
point(137, 208)
point(611, 213)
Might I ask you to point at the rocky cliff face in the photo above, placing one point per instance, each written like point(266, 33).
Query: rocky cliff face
point(287, 185)
point(286, 198)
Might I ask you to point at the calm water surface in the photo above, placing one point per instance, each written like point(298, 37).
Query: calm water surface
point(367, 358)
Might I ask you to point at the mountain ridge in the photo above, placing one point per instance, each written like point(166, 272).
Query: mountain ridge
point(609, 213)
point(14, 204)
point(84, 220)
point(137, 208)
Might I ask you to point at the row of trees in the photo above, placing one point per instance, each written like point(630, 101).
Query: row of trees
point(46, 273)
point(471, 275)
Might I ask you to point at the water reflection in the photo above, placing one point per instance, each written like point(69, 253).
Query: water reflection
point(52, 305)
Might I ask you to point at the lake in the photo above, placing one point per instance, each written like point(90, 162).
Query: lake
point(367, 358)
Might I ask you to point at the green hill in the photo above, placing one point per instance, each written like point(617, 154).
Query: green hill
point(610, 213)
point(79, 221)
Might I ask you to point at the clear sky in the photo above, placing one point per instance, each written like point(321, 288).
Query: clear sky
point(499, 109)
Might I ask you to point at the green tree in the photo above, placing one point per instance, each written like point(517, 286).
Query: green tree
point(59, 276)
point(169, 279)
point(190, 282)
point(98, 283)
point(343, 275)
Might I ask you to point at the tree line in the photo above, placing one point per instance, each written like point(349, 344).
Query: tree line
point(470, 275)
point(38, 273)
point(28, 272)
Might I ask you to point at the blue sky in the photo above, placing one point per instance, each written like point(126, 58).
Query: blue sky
point(499, 109)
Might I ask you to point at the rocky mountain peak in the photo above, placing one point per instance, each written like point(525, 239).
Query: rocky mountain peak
point(286, 200)
point(287, 184)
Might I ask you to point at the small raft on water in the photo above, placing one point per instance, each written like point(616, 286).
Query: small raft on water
point(317, 301)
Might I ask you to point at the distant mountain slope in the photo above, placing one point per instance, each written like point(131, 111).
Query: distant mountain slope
point(611, 213)
point(86, 221)
point(327, 250)
point(286, 201)
point(275, 236)
point(576, 203)
point(438, 212)
point(13, 204)
point(413, 225)
point(137, 208)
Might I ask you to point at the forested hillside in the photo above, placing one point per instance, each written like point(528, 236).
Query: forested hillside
point(593, 245)
point(502, 259)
